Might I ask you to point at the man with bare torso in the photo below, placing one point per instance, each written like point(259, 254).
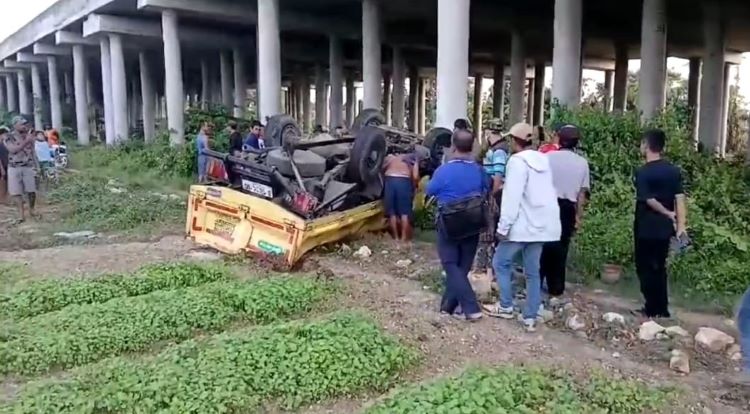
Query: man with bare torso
point(401, 180)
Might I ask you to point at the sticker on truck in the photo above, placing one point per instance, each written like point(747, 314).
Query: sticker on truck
point(270, 248)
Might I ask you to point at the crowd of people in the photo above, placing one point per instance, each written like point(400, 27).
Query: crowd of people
point(521, 202)
point(25, 157)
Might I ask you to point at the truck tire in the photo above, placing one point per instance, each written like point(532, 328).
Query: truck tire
point(368, 117)
point(367, 156)
point(437, 140)
point(279, 128)
point(308, 163)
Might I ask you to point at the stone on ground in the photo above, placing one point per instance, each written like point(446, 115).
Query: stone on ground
point(649, 330)
point(680, 362)
point(674, 331)
point(86, 234)
point(613, 317)
point(203, 255)
point(575, 323)
point(364, 252)
point(734, 352)
point(481, 282)
point(403, 263)
point(713, 339)
point(546, 315)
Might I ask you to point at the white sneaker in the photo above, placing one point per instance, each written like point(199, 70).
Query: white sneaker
point(530, 325)
point(497, 311)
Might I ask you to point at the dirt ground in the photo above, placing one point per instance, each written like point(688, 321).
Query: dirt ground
point(405, 307)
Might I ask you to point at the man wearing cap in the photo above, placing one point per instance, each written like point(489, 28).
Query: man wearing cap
point(21, 163)
point(529, 217)
point(571, 177)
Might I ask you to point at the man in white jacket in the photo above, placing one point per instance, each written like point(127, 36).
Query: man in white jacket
point(529, 217)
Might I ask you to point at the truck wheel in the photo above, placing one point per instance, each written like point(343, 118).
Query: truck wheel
point(367, 156)
point(368, 117)
point(437, 140)
point(279, 128)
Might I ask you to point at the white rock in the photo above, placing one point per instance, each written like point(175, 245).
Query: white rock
point(674, 331)
point(482, 285)
point(363, 253)
point(648, 330)
point(734, 353)
point(345, 249)
point(713, 339)
point(616, 355)
point(117, 190)
point(403, 263)
point(680, 362)
point(575, 323)
point(613, 317)
point(546, 315)
point(76, 235)
point(661, 336)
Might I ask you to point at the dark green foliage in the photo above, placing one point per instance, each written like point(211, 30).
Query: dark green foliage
point(293, 363)
point(514, 390)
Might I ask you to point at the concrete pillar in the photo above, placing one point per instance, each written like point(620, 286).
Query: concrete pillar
point(517, 78)
point(24, 97)
point(306, 110)
point(566, 55)
point(3, 100)
point(240, 85)
point(712, 85)
point(498, 91)
point(109, 118)
point(174, 89)
point(80, 76)
point(205, 84)
point(413, 98)
point(453, 61)
point(609, 89)
point(135, 100)
point(387, 98)
point(530, 101)
point(653, 58)
point(725, 92)
point(620, 92)
point(477, 116)
point(421, 107)
point(226, 79)
point(336, 73)
point(399, 90)
point(120, 88)
point(149, 98)
point(67, 88)
point(694, 94)
point(351, 98)
point(269, 58)
point(371, 53)
point(54, 93)
point(539, 82)
point(11, 93)
point(36, 90)
point(320, 96)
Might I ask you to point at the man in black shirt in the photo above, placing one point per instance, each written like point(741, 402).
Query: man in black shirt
point(235, 139)
point(660, 214)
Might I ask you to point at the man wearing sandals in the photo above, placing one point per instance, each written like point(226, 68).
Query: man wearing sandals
point(529, 217)
point(21, 163)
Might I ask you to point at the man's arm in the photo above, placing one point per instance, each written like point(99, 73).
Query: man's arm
point(512, 195)
point(415, 174)
point(435, 185)
point(644, 193)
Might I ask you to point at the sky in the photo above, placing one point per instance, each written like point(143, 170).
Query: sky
point(17, 14)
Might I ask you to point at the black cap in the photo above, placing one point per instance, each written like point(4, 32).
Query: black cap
point(568, 132)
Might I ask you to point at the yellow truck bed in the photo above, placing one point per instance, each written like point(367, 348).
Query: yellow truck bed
point(237, 223)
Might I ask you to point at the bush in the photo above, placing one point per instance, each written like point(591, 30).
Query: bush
point(294, 363)
point(718, 193)
point(523, 390)
point(82, 334)
point(50, 295)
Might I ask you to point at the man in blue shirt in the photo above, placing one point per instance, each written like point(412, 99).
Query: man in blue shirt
point(459, 179)
point(254, 140)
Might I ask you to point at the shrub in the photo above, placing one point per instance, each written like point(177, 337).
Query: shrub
point(293, 363)
point(523, 390)
point(51, 295)
point(81, 334)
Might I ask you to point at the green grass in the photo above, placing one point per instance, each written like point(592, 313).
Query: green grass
point(81, 334)
point(515, 390)
point(287, 364)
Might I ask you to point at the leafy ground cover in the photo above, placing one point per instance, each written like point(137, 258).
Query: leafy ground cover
point(515, 390)
point(50, 295)
point(286, 364)
point(81, 334)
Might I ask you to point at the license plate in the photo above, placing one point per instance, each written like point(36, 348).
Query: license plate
point(256, 188)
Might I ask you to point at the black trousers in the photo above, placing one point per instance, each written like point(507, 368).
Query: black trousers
point(555, 254)
point(651, 266)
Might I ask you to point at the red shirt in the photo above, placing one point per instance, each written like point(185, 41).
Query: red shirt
point(548, 147)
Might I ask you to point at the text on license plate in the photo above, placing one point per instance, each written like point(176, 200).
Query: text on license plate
point(256, 188)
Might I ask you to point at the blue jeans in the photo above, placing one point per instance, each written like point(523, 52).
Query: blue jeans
point(457, 256)
point(505, 252)
point(743, 324)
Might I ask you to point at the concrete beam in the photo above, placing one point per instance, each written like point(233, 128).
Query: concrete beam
point(242, 13)
point(12, 64)
point(51, 50)
point(25, 57)
point(63, 37)
point(102, 23)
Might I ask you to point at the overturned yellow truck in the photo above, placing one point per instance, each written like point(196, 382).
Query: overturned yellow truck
point(297, 194)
